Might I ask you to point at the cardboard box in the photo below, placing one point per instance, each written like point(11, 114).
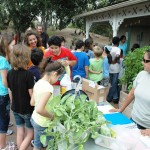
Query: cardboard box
point(95, 92)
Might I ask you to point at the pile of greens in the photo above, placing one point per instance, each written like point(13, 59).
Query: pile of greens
point(75, 120)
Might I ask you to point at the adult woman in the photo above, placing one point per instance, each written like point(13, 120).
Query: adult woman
point(33, 40)
point(140, 92)
point(123, 45)
point(4, 97)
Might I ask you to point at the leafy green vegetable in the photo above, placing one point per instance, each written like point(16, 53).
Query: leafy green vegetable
point(75, 119)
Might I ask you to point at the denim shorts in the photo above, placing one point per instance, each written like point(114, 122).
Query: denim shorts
point(22, 120)
point(4, 113)
point(38, 131)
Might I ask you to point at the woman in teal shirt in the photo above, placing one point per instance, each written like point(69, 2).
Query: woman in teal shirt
point(4, 97)
point(123, 45)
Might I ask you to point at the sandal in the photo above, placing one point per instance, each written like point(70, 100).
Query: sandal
point(10, 146)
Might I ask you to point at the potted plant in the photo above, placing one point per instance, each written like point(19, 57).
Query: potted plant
point(133, 65)
point(75, 119)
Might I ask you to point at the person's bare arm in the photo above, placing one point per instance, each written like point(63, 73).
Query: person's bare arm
point(86, 71)
point(30, 92)
point(10, 95)
point(95, 72)
point(40, 108)
point(127, 101)
point(32, 101)
point(4, 77)
point(145, 132)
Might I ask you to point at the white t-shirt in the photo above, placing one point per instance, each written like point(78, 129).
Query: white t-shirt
point(41, 87)
point(114, 68)
point(141, 106)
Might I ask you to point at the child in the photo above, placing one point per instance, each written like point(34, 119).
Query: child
point(20, 85)
point(107, 60)
point(4, 96)
point(42, 94)
point(81, 68)
point(36, 58)
point(89, 47)
point(95, 68)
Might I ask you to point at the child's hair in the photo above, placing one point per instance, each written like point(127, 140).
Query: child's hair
point(108, 54)
point(36, 56)
point(121, 53)
point(135, 46)
point(54, 40)
point(88, 42)
point(79, 44)
point(29, 33)
point(62, 39)
point(115, 40)
point(20, 56)
point(47, 66)
point(4, 46)
point(97, 51)
point(122, 37)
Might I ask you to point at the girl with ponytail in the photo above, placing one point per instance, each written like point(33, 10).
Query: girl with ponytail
point(42, 94)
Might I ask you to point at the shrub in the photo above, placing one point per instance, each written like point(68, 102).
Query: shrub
point(133, 65)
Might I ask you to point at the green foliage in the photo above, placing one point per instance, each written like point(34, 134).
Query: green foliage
point(133, 65)
point(74, 120)
point(102, 29)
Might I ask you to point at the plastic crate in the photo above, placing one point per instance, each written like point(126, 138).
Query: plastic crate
point(107, 142)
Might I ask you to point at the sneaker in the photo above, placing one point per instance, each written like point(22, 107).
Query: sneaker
point(9, 132)
point(10, 124)
point(32, 144)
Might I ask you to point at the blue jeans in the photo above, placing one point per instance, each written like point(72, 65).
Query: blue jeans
point(4, 113)
point(38, 131)
point(114, 89)
point(22, 120)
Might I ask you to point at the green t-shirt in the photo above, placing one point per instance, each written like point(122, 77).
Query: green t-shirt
point(95, 65)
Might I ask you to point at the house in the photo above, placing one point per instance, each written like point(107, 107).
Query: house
point(130, 18)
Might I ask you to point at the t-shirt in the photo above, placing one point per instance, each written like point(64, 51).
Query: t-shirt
point(43, 50)
point(44, 37)
point(105, 67)
point(114, 68)
point(79, 68)
point(141, 106)
point(124, 48)
point(19, 81)
point(36, 73)
point(96, 65)
point(64, 54)
point(41, 87)
point(90, 54)
point(4, 65)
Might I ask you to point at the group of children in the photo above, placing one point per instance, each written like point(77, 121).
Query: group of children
point(95, 68)
point(28, 79)
point(29, 93)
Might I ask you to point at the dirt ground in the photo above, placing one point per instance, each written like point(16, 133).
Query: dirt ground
point(70, 36)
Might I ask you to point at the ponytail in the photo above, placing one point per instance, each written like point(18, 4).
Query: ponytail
point(47, 66)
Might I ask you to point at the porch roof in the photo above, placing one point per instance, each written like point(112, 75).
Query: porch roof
point(112, 7)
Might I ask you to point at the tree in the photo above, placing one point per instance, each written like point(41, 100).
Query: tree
point(4, 19)
point(22, 12)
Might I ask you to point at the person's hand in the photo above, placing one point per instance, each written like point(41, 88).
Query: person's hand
point(115, 110)
point(145, 132)
point(65, 63)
